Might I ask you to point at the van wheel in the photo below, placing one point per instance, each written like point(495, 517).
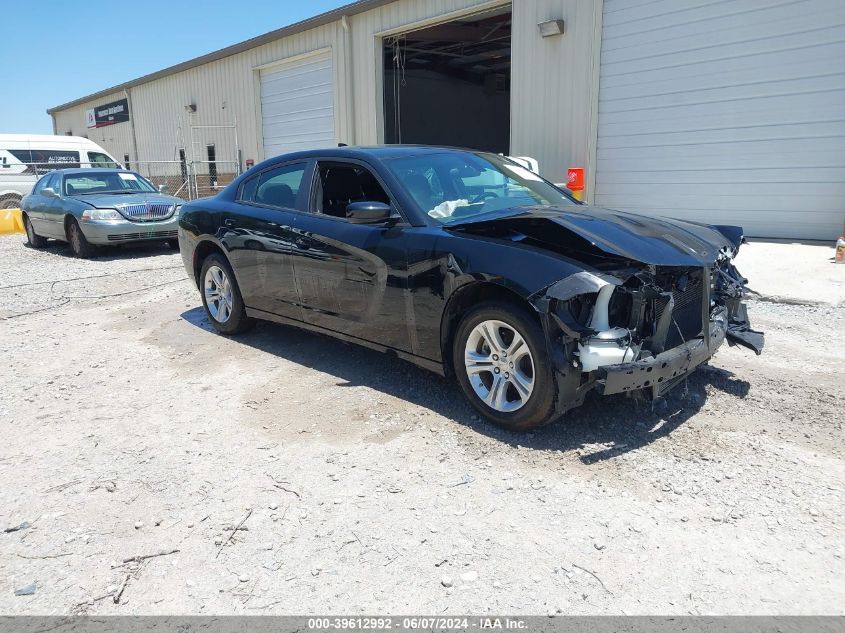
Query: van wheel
point(10, 202)
point(79, 244)
point(32, 238)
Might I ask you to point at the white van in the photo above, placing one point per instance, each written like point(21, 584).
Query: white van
point(24, 158)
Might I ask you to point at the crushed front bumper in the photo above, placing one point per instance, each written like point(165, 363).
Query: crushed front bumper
point(662, 372)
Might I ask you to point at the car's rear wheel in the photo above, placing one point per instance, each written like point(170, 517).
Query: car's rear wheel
point(221, 296)
point(79, 244)
point(32, 238)
point(500, 362)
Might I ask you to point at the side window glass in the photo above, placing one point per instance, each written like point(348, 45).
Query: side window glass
point(340, 185)
point(23, 155)
point(279, 187)
point(55, 158)
point(40, 185)
point(248, 188)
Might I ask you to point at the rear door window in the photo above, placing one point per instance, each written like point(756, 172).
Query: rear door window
point(247, 190)
point(280, 187)
point(40, 185)
point(54, 182)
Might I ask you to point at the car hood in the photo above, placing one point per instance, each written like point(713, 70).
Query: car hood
point(115, 201)
point(597, 232)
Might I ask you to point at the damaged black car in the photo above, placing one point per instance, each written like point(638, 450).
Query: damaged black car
point(473, 266)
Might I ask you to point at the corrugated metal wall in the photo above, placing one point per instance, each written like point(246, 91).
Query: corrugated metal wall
point(551, 81)
point(550, 102)
point(224, 92)
point(729, 112)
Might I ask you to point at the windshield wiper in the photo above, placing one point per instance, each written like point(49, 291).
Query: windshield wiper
point(487, 216)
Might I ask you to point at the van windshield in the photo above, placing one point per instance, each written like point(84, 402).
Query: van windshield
point(117, 182)
point(98, 159)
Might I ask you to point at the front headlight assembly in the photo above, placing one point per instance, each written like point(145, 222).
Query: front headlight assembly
point(101, 214)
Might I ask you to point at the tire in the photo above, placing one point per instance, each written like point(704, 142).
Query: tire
point(79, 244)
point(10, 202)
point(32, 238)
point(172, 244)
point(233, 319)
point(521, 393)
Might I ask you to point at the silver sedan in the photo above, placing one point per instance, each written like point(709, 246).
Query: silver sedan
point(91, 207)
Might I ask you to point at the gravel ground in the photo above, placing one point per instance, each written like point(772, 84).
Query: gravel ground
point(284, 472)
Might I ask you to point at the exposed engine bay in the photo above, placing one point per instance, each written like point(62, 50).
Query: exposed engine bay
point(644, 327)
point(654, 298)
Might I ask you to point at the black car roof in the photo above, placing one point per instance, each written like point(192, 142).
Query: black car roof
point(379, 152)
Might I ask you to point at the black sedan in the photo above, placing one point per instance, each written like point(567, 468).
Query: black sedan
point(470, 265)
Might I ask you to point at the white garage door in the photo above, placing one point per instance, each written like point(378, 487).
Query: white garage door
point(297, 105)
point(726, 112)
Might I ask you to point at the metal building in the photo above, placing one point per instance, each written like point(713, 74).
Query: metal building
point(725, 111)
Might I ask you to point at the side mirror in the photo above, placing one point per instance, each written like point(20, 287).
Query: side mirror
point(49, 192)
point(162, 188)
point(368, 212)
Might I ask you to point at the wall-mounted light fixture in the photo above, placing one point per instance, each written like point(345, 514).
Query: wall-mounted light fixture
point(551, 28)
point(191, 108)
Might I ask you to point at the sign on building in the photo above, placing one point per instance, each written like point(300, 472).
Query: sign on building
point(108, 114)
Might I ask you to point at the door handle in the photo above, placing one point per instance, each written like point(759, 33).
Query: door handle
point(229, 222)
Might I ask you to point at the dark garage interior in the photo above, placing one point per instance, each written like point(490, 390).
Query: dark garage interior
point(449, 84)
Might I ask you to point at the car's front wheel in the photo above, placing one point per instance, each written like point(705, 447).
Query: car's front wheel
point(32, 238)
point(222, 297)
point(79, 244)
point(500, 362)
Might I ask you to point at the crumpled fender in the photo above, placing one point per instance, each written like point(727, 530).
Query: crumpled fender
point(579, 283)
point(734, 234)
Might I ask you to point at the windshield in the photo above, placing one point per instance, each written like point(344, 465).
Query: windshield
point(456, 186)
point(115, 182)
point(98, 159)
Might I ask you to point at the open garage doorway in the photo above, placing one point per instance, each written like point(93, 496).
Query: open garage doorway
point(450, 84)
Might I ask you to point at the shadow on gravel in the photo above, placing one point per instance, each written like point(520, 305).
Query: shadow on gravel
point(111, 253)
point(613, 425)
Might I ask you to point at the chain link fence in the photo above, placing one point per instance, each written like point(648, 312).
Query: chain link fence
point(188, 180)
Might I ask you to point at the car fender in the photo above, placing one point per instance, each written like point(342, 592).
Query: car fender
point(521, 271)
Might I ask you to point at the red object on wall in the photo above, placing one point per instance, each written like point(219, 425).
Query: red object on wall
point(575, 179)
point(249, 163)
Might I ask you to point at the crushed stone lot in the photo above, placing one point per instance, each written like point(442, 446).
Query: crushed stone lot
point(152, 466)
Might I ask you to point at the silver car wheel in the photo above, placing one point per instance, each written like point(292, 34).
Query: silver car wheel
point(218, 294)
point(499, 366)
